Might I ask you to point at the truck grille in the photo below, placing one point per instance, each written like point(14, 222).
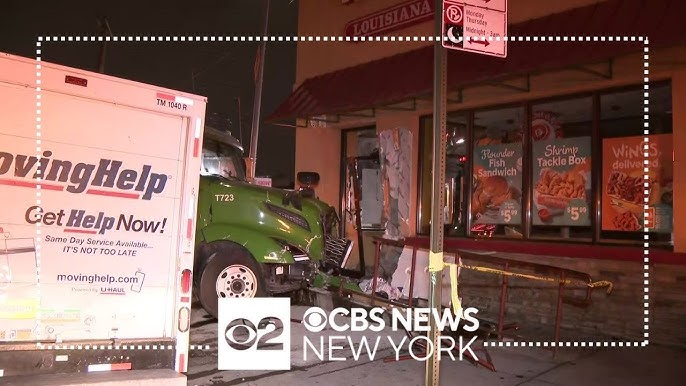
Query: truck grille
point(337, 251)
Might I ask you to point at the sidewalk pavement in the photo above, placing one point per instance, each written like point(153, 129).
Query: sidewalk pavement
point(530, 366)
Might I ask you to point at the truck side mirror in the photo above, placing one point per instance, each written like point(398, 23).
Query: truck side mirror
point(307, 181)
point(308, 178)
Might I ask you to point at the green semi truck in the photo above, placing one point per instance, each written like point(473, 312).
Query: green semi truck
point(255, 241)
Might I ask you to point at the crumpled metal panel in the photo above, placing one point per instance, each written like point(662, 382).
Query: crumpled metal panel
point(395, 155)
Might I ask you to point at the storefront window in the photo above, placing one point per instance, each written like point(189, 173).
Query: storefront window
point(362, 167)
point(456, 177)
point(622, 132)
point(454, 219)
point(496, 199)
point(425, 161)
point(561, 168)
point(362, 193)
point(582, 178)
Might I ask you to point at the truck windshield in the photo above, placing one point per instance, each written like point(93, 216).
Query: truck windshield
point(226, 163)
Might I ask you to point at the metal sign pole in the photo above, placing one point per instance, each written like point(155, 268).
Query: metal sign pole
point(437, 194)
point(258, 95)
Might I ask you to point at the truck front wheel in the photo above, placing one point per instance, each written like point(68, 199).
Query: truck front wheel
point(229, 272)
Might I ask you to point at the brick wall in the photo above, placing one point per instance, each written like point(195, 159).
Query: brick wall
point(618, 315)
point(668, 304)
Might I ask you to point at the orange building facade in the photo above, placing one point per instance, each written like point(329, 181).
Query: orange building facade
point(544, 153)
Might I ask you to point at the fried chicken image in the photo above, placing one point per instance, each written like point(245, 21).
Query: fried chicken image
point(555, 189)
point(626, 187)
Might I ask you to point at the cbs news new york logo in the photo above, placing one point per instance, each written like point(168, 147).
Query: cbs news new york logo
point(255, 333)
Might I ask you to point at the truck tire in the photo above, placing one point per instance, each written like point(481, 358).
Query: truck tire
point(229, 271)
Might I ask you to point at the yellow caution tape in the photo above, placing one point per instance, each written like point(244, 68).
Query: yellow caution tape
point(436, 263)
point(454, 298)
point(602, 283)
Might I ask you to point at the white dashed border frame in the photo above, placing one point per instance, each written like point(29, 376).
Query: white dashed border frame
point(196, 38)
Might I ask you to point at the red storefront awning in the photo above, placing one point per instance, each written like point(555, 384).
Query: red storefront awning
point(396, 78)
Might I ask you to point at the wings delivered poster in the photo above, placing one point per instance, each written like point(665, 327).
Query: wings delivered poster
point(623, 191)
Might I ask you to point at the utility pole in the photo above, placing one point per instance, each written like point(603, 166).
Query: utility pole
point(437, 195)
point(104, 27)
point(254, 135)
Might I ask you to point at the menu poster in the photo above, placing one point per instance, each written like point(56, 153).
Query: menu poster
point(562, 182)
point(497, 175)
point(623, 194)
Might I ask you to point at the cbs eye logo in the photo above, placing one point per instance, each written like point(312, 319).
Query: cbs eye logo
point(242, 334)
point(315, 319)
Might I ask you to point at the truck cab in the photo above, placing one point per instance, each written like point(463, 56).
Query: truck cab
point(256, 241)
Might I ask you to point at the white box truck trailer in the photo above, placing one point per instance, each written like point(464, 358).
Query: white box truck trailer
point(98, 189)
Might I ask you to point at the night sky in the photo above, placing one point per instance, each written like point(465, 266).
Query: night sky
point(223, 70)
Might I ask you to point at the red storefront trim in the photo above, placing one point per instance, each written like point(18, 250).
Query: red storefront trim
point(410, 74)
point(557, 249)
